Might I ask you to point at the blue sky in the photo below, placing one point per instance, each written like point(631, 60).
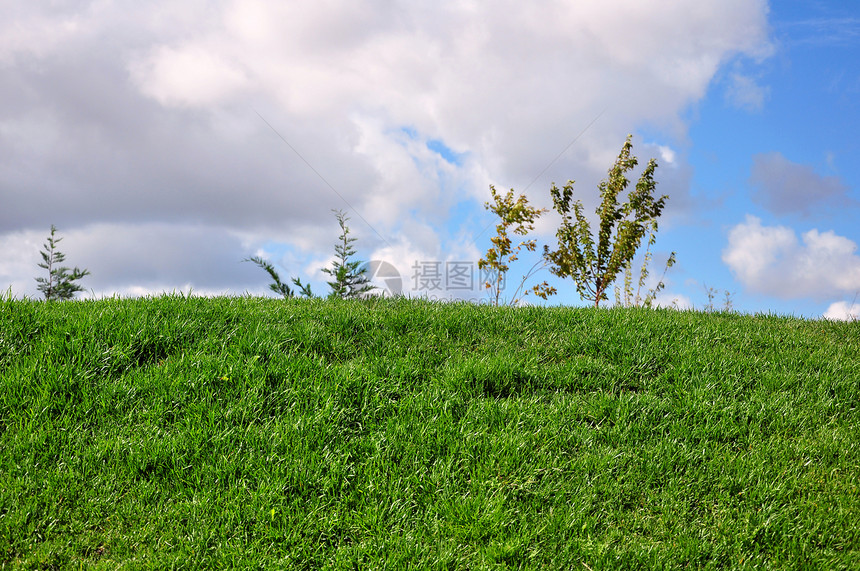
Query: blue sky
point(170, 140)
point(803, 120)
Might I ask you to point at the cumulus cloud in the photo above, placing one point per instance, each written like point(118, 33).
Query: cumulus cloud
point(785, 187)
point(772, 260)
point(843, 311)
point(149, 115)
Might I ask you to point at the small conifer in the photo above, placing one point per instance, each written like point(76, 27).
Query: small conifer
point(60, 281)
point(350, 276)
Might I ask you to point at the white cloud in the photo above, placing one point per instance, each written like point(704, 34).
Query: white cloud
point(843, 311)
point(143, 116)
point(187, 76)
point(667, 154)
point(673, 300)
point(485, 79)
point(410, 175)
point(771, 260)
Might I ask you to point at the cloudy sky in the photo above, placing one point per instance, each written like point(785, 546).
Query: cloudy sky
point(168, 141)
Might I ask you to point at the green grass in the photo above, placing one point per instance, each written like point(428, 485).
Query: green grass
point(245, 432)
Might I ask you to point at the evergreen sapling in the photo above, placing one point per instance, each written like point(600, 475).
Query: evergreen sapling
point(59, 285)
point(350, 276)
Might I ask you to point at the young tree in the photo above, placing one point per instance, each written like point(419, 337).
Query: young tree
point(635, 300)
point(59, 283)
point(519, 215)
point(595, 266)
point(278, 286)
point(350, 276)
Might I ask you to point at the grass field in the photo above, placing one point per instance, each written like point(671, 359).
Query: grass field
point(250, 433)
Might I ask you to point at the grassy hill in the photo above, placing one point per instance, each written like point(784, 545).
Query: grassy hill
point(247, 432)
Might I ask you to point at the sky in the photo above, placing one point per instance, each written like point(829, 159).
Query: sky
point(170, 140)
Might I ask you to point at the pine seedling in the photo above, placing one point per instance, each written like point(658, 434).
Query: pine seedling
point(350, 276)
point(59, 285)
